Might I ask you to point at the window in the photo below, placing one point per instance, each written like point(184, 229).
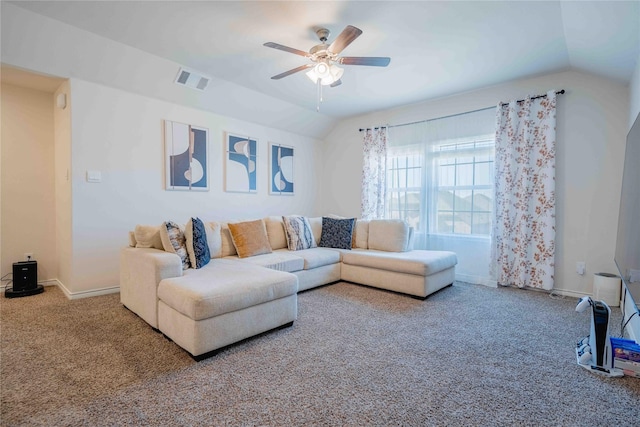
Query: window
point(452, 195)
point(439, 177)
point(464, 182)
point(404, 187)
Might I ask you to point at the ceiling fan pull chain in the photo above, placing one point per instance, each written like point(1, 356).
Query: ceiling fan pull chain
point(319, 97)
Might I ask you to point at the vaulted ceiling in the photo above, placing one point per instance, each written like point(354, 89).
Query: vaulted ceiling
point(437, 48)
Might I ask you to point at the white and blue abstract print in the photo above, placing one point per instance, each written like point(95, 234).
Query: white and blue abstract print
point(281, 170)
point(186, 157)
point(241, 162)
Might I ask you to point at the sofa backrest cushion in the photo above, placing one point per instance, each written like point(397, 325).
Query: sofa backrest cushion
point(391, 235)
point(227, 242)
point(361, 234)
point(214, 239)
point(275, 232)
point(299, 234)
point(148, 236)
point(174, 241)
point(250, 238)
point(316, 227)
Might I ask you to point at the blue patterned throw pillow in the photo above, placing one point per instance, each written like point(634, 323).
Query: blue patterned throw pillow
point(197, 243)
point(336, 233)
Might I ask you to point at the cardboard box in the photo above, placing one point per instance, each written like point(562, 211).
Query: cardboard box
point(625, 349)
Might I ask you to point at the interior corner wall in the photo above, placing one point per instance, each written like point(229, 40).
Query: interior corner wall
point(591, 131)
point(28, 196)
point(62, 182)
point(120, 134)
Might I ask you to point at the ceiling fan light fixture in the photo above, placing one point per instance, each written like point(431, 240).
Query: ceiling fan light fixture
point(327, 74)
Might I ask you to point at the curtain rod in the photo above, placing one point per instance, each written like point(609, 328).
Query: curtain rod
point(559, 92)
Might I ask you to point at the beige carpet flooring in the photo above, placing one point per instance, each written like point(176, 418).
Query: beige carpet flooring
point(467, 356)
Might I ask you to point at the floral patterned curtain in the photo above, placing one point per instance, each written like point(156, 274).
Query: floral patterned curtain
point(374, 173)
point(523, 229)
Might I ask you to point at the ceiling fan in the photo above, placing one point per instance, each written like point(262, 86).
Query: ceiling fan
point(324, 57)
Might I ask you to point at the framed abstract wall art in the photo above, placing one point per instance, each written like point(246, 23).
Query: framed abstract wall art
point(280, 169)
point(240, 164)
point(186, 150)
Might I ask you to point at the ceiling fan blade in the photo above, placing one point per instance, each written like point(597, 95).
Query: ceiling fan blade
point(286, 49)
point(374, 61)
point(288, 73)
point(349, 34)
point(336, 83)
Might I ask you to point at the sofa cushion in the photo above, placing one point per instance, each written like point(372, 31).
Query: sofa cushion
point(316, 227)
point(214, 239)
point(275, 232)
point(148, 236)
point(283, 260)
point(132, 239)
point(249, 238)
point(227, 242)
point(174, 241)
point(421, 263)
point(317, 257)
point(336, 233)
point(361, 234)
point(197, 247)
point(224, 286)
point(299, 234)
point(390, 235)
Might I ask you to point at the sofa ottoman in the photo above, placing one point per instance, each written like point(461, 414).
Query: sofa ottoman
point(222, 303)
point(418, 273)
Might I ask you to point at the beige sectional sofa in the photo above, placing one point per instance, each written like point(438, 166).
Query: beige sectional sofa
point(233, 298)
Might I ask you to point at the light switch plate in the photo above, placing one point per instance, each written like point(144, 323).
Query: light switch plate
point(94, 176)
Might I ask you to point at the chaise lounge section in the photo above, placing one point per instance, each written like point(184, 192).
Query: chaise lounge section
point(239, 294)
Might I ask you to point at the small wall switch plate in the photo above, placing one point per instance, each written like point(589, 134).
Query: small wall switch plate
point(94, 176)
point(634, 275)
point(580, 267)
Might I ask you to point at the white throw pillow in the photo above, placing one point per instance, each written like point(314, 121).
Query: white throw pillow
point(299, 234)
point(174, 241)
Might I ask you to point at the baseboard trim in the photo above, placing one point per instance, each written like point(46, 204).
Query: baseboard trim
point(477, 280)
point(569, 293)
point(49, 282)
point(86, 294)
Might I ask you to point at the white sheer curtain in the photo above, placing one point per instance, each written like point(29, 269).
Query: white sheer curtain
point(523, 235)
point(374, 173)
point(422, 142)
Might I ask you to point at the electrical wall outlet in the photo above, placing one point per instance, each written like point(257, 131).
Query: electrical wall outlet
point(580, 267)
point(28, 256)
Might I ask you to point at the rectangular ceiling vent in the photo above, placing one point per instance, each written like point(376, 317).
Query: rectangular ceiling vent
point(192, 79)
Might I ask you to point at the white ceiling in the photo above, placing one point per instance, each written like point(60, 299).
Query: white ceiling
point(437, 48)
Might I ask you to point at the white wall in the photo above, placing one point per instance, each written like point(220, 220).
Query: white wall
point(120, 134)
point(591, 131)
point(634, 94)
point(28, 197)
